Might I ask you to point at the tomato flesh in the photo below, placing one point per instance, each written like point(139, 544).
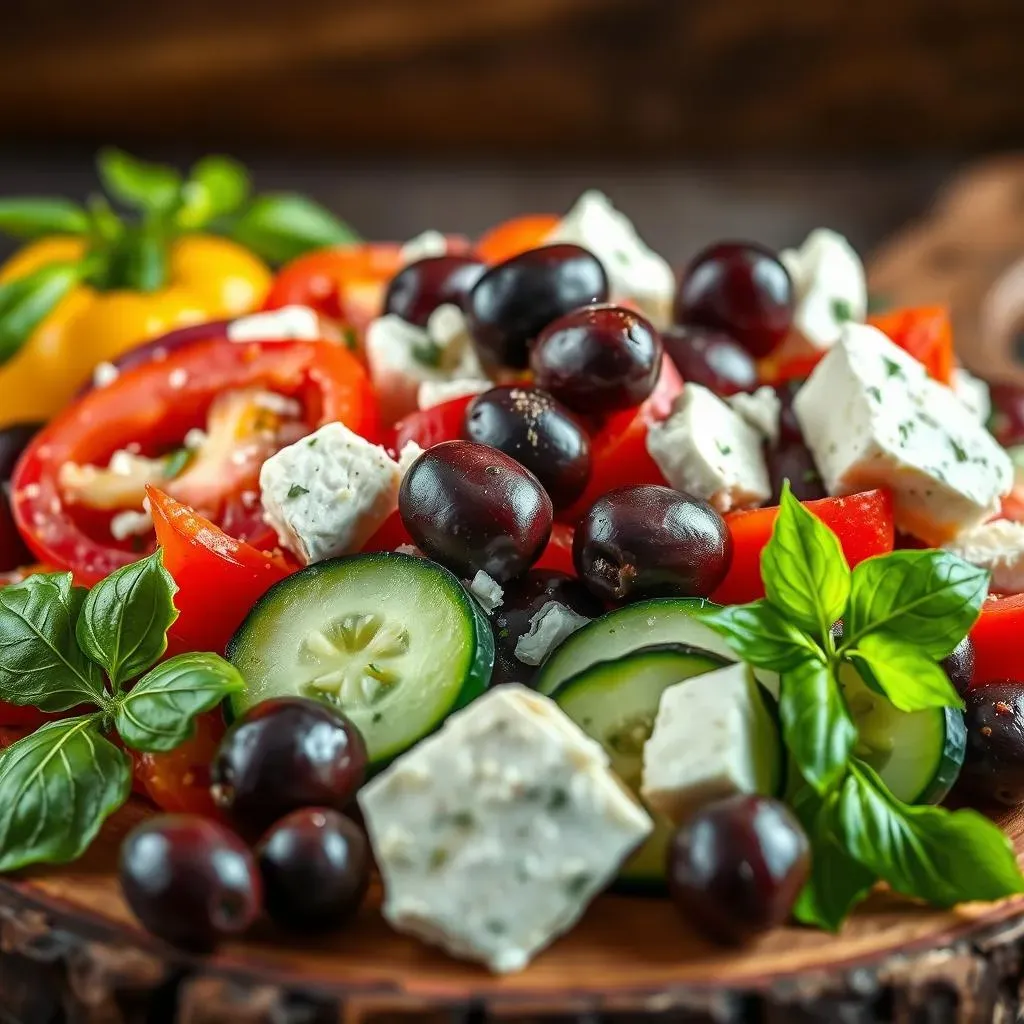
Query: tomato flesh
point(996, 638)
point(432, 426)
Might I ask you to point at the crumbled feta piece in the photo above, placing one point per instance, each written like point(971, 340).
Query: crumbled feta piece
point(104, 374)
point(130, 524)
point(327, 494)
point(830, 287)
point(289, 323)
point(410, 452)
point(635, 271)
point(402, 357)
point(437, 392)
point(761, 409)
point(408, 549)
point(493, 835)
point(423, 246)
point(973, 392)
point(548, 628)
point(872, 417)
point(997, 546)
point(486, 591)
point(706, 449)
point(708, 743)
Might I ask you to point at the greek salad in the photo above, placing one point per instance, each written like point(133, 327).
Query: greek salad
point(513, 571)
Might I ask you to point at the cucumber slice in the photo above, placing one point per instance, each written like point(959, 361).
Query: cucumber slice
point(616, 702)
point(659, 621)
point(918, 754)
point(393, 641)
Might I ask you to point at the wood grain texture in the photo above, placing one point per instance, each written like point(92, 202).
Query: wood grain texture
point(894, 962)
point(614, 77)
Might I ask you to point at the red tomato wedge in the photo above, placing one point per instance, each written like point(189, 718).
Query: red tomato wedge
point(219, 578)
point(862, 522)
point(558, 553)
point(432, 426)
point(391, 535)
point(153, 406)
point(997, 640)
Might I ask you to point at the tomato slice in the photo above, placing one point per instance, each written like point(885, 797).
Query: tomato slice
point(862, 522)
point(432, 426)
point(996, 638)
point(391, 535)
point(517, 235)
point(558, 553)
point(154, 406)
point(619, 456)
point(219, 578)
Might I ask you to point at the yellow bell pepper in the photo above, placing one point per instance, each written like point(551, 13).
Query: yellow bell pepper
point(208, 278)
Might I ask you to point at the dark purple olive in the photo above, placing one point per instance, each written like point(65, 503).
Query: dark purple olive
point(709, 357)
point(598, 359)
point(523, 599)
point(739, 288)
point(283, 755)
point(189, 880)
point(789, 425)
point(536, 431)
point(639, 542)
point(418, 289)
point(1007, 413)
point(13, 441)
point(737, 866)
point(514, 301)
point(792, 461)
point(315, 865)
point(471, 508)
point(993, 771)
point(959, 666)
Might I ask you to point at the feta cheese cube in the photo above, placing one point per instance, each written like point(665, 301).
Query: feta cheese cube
point(707, 450)
point(327, 494)
point(433, 393)
point(548, 628)
point(872, 417)
point(410, 452)
point(423, 246)
point(762, 410)
point(289, 323)
point(712, 738)
point(973, 392)
point(635, 271)
point(486, 591)
point(402, 357)
point(997, 546)
point(493, 835)
point(830, 286)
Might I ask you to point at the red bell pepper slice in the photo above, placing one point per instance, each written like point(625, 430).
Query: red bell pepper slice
point(558, 553)
point(619, 456)
point(219, 578)
point(862, 522)
point(997, 640)
point(154, 406)
point(517, 235)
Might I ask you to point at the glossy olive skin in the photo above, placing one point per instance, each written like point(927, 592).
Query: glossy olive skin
point(514, 301)
point(13, 441)
point(1007, 413)
point(959, 666)
point(739, 288)
point(789, 425)
point(598, 359)
point(189, 880)
point(792, 460)
point(471, 508)
point(993, 771)
point(536, 431)
point(651, 541)
point(283, 755)
point(418, 289)
point(523, 599)
point(710, 358)
point(737, 866)
point(315, 865)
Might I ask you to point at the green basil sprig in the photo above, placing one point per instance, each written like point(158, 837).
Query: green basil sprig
point(902, 613)
point(63, 647)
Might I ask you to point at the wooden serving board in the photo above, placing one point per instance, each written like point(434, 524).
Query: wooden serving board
point(70, 949)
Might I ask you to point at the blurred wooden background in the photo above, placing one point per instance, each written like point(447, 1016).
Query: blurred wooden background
point(626, 79)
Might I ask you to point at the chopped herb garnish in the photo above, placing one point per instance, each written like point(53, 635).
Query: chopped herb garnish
point(892, 368)
point(463, 819)
point(438, 857)
point(176, 462)
point(297, 490)
point(577, 884)
point(874, 393)
point(904, 429)
point(958, 451)
point(377, 717)
point(723, 448)
point(557, 799)
point(312, 442)
point(496, 927)
point(349, 338)
point(428, 353)
point(842, 310)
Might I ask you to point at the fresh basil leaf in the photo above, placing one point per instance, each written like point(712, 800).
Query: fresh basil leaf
point(816, 724)
point(57, 787)
point(157, 713)
point(760, 635)
point(155, 188)
point(25, 302)
point(217, 186)
point(927, 598)
point(40, 662)
point(804, 569)
point(34, 217)
point(940, 856)
point(124, 622)
point(906, 675)
point(281, 227)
